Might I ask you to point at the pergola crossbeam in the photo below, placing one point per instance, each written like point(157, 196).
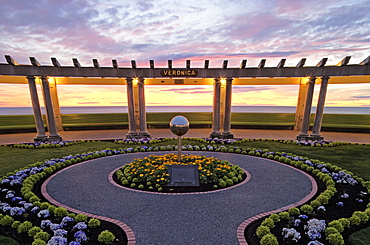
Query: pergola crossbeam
point(11, 61)
point(366, 61)
point(345, 61)
point(96, 63)
point(55, 62)
point(34, 62)
point(76, 63)
point(301, 62)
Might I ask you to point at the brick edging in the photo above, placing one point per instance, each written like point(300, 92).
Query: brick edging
point(244, 224)
point(131, 240)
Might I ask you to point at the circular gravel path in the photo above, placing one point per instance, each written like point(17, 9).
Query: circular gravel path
point(208, 218)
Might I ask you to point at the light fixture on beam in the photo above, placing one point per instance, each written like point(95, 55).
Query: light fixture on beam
point(76, 63)
point(345, 61)
point(243, 64)
point(151, 63)
point(133, 64)
point(224, 65)
point(187, 64)
point(55, 62)
point(115, 63)
point(169, 64)
point(322, 62)
point(11, 61)
point(206, 64)
point(301, 62)
point(366, 61)
point(262, 63)
point(96, 63)
point(34, 62)
point(281, 63)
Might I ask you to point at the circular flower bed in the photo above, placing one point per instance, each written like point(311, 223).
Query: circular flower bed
point(151, 173)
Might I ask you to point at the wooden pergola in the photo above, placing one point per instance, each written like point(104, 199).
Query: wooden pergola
point(222, 78)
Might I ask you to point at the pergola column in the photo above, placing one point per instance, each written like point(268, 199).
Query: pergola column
point(227, 113)
point(302, 94)
point(142, 110)
point(54, 136)
point(131, 109)
point(216, 109)
point(320, 110)
point(40, 128)
point(56, 107)
point(303, 135)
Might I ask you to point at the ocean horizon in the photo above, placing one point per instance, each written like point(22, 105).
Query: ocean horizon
point(236, 109)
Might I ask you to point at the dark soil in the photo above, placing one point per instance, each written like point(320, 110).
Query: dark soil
point(332, 213)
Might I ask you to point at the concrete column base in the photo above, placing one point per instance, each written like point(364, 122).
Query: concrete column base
point(40, 138)
point(316, 137)
point(309, 137)
point(137, 135)
point(54, 138)
point(222, 135)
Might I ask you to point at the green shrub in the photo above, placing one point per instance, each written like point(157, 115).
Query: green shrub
point(24, 227)
point(44, 205)
point(262, 230)
point(60, 212)
point(275, 217)
point(16, 224)
point(268, 222)
point(222, 183)
point(81, 218)
point(106, 237)
point(93, 223)
point(330, 230)
point(269, 239)
point(293, 212)
point(362, 215)
point(38, 242)
point(335, 239)
point(42, 235)
point(354, 220)
point(307, 209)
point(345, 222)
point(284, 215)
point(229, 182)
point(34, 230)
point(337, 225)
point(6, 220)
point(315, 204)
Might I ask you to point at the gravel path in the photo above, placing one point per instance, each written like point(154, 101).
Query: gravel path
point(209, 218)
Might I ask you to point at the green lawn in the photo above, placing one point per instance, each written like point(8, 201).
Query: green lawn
point(357, 121)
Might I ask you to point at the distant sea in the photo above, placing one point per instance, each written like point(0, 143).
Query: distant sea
point(123, 109)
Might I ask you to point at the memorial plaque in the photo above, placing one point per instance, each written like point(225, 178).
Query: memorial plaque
point(183, 175)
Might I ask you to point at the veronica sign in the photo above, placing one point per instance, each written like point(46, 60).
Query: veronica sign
point(179, 73)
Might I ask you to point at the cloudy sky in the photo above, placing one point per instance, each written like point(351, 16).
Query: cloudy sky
point(162, 30)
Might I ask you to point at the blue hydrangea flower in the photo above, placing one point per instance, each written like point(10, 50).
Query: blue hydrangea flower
point(43, 213)
point(80, 226)
point(80, 236)
point(17, 211)
point(60, 232)
point(45, 224)
point(66, 220)
point(35, 209)
point(55, 227)
point(57, 240)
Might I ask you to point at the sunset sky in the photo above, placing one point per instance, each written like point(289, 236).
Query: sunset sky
point(162, 30)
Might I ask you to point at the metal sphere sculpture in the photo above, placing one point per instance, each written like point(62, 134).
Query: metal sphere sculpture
point(179, 126)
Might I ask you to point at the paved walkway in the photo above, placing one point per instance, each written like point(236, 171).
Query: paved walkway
point(197, 132)
point(208, 218)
